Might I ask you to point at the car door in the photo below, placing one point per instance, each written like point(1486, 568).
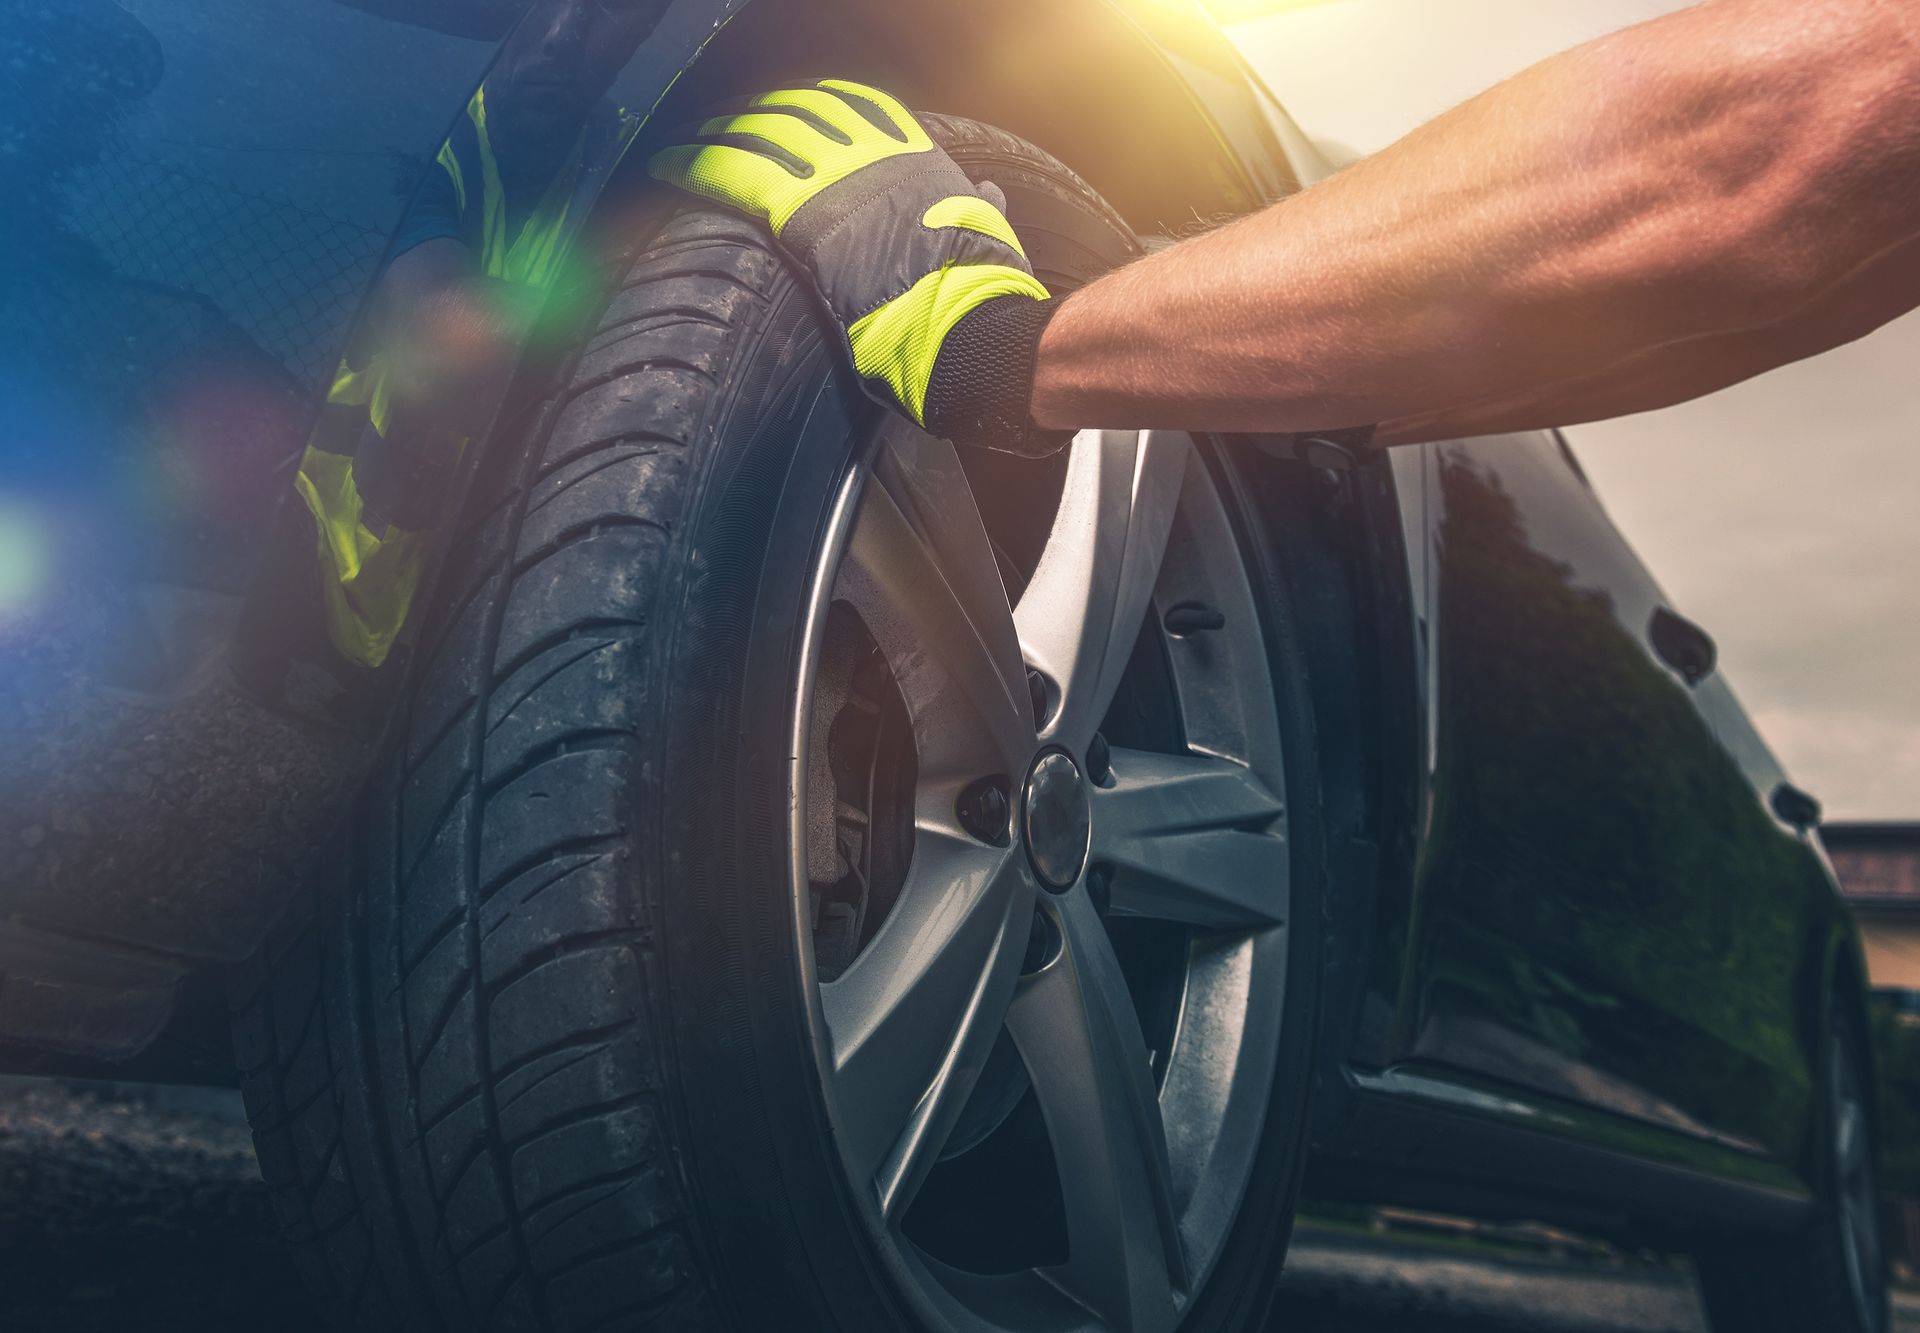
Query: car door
point(1780, 910)
point(1567, 907)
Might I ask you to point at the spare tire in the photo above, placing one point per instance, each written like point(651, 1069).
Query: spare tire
point(818, 880)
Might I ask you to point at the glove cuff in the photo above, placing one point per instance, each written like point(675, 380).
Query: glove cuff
point(981, 390)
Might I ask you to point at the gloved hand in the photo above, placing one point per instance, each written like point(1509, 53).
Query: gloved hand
point(939, 305)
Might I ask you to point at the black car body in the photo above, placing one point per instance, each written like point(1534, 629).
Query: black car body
point(1584, 951)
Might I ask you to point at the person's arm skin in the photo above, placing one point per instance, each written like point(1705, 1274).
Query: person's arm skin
point(1658, 214)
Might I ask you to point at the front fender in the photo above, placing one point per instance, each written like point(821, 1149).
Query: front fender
point(1147, 99)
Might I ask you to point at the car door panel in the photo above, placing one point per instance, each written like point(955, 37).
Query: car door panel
point(1569, 899)
point(1781, 916)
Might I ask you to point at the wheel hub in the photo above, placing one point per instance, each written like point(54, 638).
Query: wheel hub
point(1057, 820)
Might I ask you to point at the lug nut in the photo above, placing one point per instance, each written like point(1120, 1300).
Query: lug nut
point(985, 810)
point(1100, 888)
point(1099, 761)
point(1040, 945)
point(1192, 618)
point(1037, 693)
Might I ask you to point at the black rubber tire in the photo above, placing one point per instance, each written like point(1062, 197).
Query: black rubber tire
point(1797, 1283)
point(539, 1062)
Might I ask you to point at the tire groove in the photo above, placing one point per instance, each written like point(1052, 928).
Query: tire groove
point(655, 319)
point(551, 852)
point(546, 676)
point(592, 1196)
point(585, 1054)
point(432, 743)
point(589, 625)
point(552, 465)
point(566, 874)
point(561, 491)
point(580, 1115)
point(438, 1028)
point(644, 365)
point(623, 1176)
point(438, 1118)
point(578, 532)
point(433, 941)
point(587, 740)
point(642, 279)
point(586, 1034)
point(597, 1252)
point(462, 791)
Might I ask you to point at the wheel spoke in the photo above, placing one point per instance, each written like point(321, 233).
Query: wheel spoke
point(913, 1019)
point(1080, 1037)
point(922, 575)
point(1081, 614)
point(1864, 1227)
point(1852, 1136)
point(1192, 839)
point(925, 477)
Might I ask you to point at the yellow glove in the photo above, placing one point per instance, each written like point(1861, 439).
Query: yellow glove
point(929, 284)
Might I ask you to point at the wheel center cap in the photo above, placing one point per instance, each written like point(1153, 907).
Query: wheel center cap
point(1057, 820)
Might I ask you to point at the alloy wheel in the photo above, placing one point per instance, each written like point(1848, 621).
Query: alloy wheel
point(1046, 967)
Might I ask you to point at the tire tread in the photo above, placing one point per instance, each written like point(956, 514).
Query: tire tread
point(511, 987)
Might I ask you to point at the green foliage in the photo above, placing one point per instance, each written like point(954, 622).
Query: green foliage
point(1601, 876)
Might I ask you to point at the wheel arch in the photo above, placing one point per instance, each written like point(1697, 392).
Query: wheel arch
point(1846, 991)
point(1332, 522)
point(1836, 990)
point(1146, 99)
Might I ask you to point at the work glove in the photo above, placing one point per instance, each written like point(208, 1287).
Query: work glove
point(921, 270)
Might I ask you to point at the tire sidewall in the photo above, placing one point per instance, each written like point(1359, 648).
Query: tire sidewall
point(762, 1172)
point(1240, 1293)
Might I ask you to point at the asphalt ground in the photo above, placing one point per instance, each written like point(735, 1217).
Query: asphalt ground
point(141, 1211)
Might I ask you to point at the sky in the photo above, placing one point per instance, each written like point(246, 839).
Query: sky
point(1783, 514)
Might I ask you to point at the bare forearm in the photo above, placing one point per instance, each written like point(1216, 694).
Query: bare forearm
point(1671, 373)
point(1678, 186)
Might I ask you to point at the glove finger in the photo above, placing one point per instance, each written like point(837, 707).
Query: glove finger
point(881, 110)
point(976, 216)
point(827, 112)
point(791, 141)
point(994, 195)
point(750, 182)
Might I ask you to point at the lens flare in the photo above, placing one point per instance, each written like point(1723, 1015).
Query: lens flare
point(23, 559)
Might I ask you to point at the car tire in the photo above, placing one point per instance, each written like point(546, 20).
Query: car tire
point(1831, 1275)
point(547, 1054)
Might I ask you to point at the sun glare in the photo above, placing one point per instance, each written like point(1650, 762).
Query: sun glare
point(22, 559)
point(1240, 11)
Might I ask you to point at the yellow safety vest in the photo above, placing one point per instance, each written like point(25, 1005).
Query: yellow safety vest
point(369, 578)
